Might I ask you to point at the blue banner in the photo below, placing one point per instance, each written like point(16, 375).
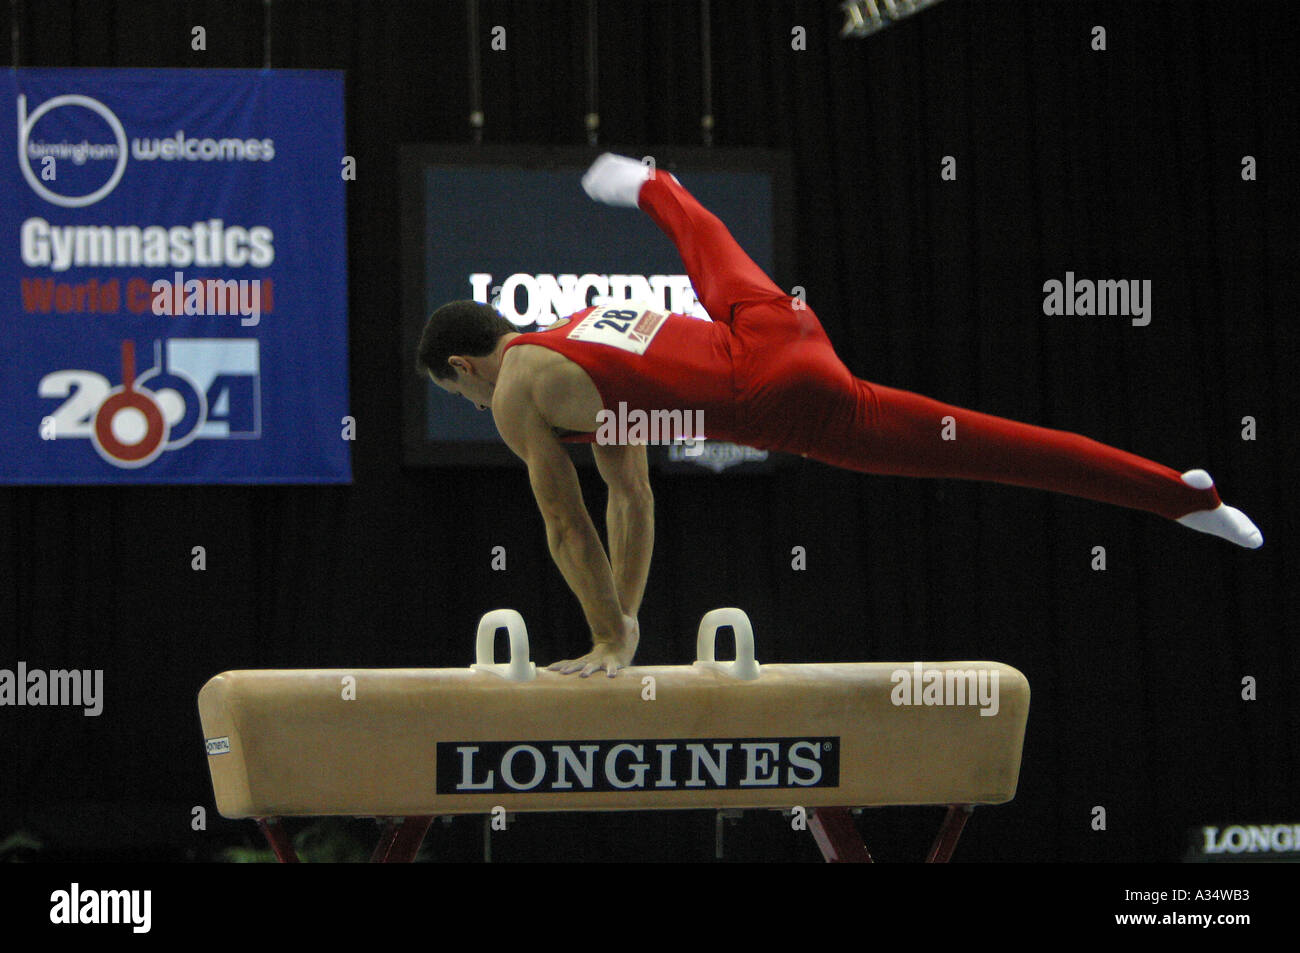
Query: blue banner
point(175, 277)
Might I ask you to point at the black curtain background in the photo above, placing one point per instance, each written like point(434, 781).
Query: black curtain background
point(1117, 164)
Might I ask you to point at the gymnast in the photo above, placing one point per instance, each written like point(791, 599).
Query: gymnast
point(764, 374)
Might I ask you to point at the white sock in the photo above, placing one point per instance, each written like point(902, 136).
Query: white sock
point(1226, 521)
point(615, 180)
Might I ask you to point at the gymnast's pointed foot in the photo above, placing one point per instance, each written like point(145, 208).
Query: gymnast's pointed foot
point(1226, 521)
point(615, 180)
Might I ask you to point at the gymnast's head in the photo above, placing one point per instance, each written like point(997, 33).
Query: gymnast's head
point(460, 349)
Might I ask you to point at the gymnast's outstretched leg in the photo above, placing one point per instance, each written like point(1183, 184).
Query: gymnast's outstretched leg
point(896, 432)
point(802, 399)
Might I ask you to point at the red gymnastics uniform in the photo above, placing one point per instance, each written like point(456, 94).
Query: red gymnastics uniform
point(764, 374)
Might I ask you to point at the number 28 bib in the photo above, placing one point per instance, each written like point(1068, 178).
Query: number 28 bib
point(622, 328)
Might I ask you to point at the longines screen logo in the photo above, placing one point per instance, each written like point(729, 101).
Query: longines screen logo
point(73, 150)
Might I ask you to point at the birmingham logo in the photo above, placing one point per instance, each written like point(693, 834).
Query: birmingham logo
point(72, 153)
point(197, 387)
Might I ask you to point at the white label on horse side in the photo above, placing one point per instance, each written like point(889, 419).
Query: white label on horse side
point(624, 328)
point(219, 745)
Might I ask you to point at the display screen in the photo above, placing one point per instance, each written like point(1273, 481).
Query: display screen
point(513, 228)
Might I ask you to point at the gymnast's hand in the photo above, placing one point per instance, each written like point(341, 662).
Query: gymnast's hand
point(610, 656)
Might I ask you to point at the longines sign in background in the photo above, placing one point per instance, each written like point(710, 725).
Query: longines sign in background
point(173, 262)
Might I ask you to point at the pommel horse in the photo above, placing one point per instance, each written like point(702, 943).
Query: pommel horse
point(407, 745)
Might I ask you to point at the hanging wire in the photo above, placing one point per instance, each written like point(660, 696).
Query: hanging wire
point(706, 48)
point(593, 114)
point(266, 38)
point(15, 15)
point(475, 75)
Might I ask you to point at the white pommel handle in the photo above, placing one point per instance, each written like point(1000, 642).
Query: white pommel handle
point(519, 668)
point(744, 667)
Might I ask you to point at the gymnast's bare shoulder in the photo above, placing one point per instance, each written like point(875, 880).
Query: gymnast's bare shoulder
point(562, 394)
point(552, 385)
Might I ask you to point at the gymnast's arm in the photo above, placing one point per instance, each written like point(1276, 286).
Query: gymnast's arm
point(629, 519)
point(574, 543)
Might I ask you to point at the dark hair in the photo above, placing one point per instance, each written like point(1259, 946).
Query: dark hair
point(459, 327)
